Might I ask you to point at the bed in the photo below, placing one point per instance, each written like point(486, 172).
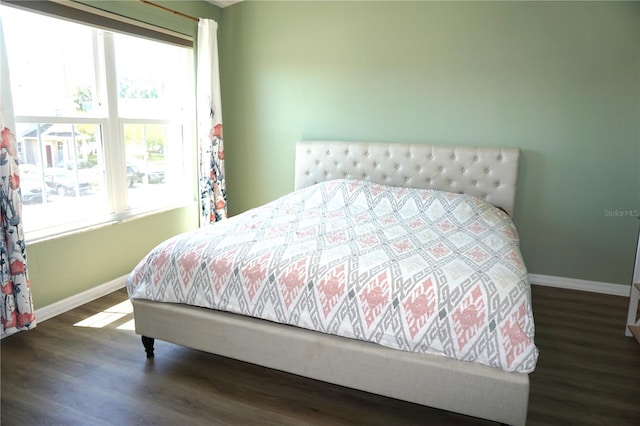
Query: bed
point(473, 285)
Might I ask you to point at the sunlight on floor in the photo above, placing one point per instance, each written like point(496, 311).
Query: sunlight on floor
point(129, 325)
point(109, 316)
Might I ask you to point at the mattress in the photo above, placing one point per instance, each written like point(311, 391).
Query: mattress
point(415, 270)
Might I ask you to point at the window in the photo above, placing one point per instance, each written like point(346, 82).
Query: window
point(104, 123)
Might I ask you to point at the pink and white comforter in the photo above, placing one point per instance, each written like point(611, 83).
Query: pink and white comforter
point(415, 270)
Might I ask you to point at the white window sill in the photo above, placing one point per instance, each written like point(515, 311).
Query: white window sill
point(34, 237)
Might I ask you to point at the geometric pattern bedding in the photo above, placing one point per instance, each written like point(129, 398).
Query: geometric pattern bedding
point(416, 270)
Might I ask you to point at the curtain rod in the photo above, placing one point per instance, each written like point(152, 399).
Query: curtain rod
point(85, 14)
point(166, 9)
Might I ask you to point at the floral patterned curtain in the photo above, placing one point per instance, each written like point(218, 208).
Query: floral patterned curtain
point(213, 192)
point(17, 305)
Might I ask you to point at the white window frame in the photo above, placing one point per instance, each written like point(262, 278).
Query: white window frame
point(114, 156)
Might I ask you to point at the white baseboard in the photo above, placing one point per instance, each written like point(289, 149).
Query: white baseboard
point(57, 308)
point(582, 285)
point(80, 299)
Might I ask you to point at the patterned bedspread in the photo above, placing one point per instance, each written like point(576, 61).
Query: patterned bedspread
point(415, 270)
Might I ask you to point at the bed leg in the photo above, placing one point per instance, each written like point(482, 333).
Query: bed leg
point(147, 342)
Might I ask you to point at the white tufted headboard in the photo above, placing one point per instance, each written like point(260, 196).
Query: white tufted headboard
point(488, 173)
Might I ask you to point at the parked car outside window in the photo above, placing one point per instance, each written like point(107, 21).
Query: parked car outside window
point(63, 181)
point(31, 188)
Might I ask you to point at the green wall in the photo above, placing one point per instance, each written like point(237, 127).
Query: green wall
point(62, 267)
point(559, 80)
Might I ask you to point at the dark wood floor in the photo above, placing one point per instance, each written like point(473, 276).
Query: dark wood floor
point(60, 374)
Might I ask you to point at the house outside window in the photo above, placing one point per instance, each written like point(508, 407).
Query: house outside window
point(104, 123)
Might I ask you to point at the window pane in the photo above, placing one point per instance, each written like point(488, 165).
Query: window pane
point(52, 65)
point(153, 78)
point(61, 173)
point(156, 172)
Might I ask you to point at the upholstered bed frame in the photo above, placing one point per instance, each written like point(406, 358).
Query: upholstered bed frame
point(456, 386)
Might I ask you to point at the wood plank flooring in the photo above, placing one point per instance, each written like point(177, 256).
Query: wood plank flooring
point(60, 374)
